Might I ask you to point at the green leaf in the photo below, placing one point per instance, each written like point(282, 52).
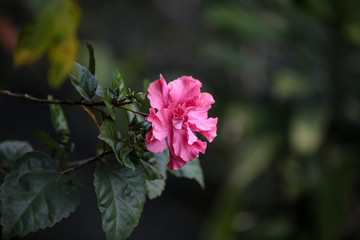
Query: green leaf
point(154, 167)
point(191, 170)
point(121, 197)
point(118, 83)
point(84, 82)
point(91, 58)
point(109, 133)
point(58, 118)
point(107, 101)
point(154, 188)
point(12, 150)
point(34, 196)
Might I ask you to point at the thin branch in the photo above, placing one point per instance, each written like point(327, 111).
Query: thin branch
point(68, 102)
point(78, 164)
point(134, 111)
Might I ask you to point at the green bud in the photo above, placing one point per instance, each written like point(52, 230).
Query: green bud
point(140, 96)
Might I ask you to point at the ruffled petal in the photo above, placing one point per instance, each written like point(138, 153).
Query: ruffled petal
point(184, 150)
point(158, 93)
point(206, 127)
point(154, 145)
point(184, 89)
point(161, 123)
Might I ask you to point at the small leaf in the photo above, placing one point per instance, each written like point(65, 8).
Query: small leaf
point(91, 58)
point(109, 133)
point(58, 118)
point(34, 196)
point(191, 170)
point(84, 82)
point(125, 151)
point(107, 102)
point(51, 144)
point(118, 83)
point(121, 197)
point(12, 150)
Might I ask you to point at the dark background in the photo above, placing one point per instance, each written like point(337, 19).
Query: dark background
point(285, 78)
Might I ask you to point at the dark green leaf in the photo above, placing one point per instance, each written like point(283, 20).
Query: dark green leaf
point(51, 144)
point(121, 197)
point(34, 196)
point(118, 83)
point(155, 187)
point(109, 134)
point(58, 118)
point(84, 82)
point(91, 58)
point(12, 150)
point(191, 170)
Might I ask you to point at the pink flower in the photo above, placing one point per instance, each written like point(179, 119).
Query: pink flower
point(182, 110)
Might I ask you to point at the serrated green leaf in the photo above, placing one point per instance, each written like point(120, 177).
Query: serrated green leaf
point(107, 102)
point(58, 117)
point(118, 82)
point(84, 82)
point(154, 167)
point(109, 133)
point(12, 150)
point(91, 58)
point(154, 188)
point(121, 197)
point(191, 170)
point(34, 196)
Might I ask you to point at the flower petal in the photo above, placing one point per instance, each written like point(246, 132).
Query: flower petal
point(158, 93)
point(184, 150)
point(184, 89)
point(161, 123)
point(154, 145)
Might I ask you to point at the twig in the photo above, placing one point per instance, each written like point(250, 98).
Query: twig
point(68, 102)
point(134, 111)
point(78, 164)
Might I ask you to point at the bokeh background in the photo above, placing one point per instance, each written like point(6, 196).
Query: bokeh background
point(285, 77)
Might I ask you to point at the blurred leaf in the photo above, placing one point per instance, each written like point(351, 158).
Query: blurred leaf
point(91, 58)
point(12, 150)
point(118, 83)
point(52, 31)
point(307, 128)
point(84, 82)
point(191, 170)
point(34, 196)
point(109, 134)
point(58, 118)
point(288, 84)
point(121, 197)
